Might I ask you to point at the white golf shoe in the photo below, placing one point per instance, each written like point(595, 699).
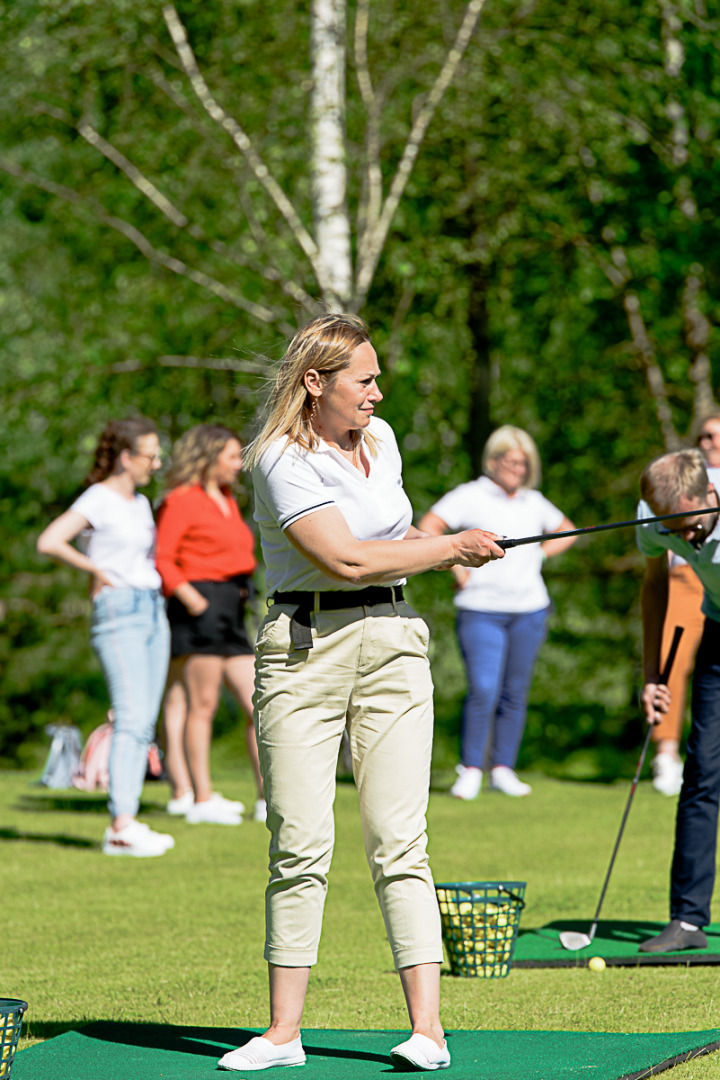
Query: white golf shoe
point(667, 774)
point(419, 1052)
point(468, 783)
point(261, 1054)
point(502, 778)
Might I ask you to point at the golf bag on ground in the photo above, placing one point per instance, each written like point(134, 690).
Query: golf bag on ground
point(64, 756)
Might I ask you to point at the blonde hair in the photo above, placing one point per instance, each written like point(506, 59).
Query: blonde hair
point(326, 344)
point(666, 479)
point(196, 452)
point(507, 438)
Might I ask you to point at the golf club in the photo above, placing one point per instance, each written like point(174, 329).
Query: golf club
point(507, 543)
point(573, 939)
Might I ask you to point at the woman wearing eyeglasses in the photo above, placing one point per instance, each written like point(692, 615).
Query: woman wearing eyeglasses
point(129, 630)
point(684, 609)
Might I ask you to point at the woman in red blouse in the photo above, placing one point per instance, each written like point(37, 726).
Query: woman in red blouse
point(205, 555)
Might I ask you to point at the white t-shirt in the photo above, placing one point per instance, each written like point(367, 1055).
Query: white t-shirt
point(121, 541)
point(513, 584)
point(291, 483)
point(654, 540)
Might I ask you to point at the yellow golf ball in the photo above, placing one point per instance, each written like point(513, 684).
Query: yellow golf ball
point(596, 963)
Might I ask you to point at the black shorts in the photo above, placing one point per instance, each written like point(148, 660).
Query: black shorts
point(220, 630)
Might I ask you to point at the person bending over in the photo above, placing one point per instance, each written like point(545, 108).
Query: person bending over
point(680, 483)
point(685, 596)
point(341, 647)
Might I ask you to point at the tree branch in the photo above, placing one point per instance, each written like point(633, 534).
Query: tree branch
point(697, 336)
point(241, 140)
point(134, 175)
point(221, 363)
point(656, 382)
point(293, 290)
point(161, 258)
point(368, 259)
point(371, 199)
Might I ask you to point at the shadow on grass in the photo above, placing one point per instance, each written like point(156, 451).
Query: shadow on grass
point(49, 1029)
point(202, 1041)
point(76, 803)
point(48, 838)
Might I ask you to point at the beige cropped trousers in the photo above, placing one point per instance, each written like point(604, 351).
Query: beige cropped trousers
point(368, 669)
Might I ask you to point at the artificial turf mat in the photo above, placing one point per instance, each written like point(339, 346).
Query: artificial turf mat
point(118, 1051)
point(616, 942)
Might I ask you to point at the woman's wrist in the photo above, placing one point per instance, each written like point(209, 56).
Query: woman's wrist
point(191, 598)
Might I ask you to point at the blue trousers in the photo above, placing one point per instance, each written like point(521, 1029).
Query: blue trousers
point(693, 867)
point(131, 637)
point(499, 651)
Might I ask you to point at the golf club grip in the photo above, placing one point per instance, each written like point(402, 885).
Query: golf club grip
point(665, 674)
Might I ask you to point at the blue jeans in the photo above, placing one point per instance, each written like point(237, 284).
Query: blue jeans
point(499, 651)
point(130, 635)
point(693, 867)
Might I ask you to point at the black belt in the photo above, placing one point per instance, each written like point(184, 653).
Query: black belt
point(307, 602)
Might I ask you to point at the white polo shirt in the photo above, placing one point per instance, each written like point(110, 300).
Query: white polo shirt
point(121, 541)
point(513, 584)
point(654, 540)
point(291, 483)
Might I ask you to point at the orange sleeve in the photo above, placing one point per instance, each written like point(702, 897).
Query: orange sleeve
point(172, 522)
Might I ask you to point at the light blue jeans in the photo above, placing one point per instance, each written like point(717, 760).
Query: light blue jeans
point(130, 635)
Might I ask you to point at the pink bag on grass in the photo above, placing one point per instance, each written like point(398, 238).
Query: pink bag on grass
point(93, 772)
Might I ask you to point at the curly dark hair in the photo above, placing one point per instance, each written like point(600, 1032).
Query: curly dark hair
point(117, 436)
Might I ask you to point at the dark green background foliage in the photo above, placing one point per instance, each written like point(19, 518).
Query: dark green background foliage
point(567, 165)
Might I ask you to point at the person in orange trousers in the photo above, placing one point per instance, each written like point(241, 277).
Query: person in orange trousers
point(684, 600)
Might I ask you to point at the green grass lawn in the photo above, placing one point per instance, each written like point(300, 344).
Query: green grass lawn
point(179, 939)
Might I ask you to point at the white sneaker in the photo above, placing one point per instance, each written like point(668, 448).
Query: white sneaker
point(502, 778)
point(136, 839)
point(260, 1053)
point(468, 783)
point(233, 804)
point(667, 774)
point(213, 812)
point(180, 806)
point(261, 810)
point(421, 1053)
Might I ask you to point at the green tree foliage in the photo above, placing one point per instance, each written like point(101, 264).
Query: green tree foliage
point(551, 264)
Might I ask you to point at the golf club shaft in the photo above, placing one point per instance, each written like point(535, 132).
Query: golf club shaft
point(508, 543)
point(661, 681)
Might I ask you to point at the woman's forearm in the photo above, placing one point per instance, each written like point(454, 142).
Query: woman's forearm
point(189, 596)
point(62, 551)
point(325, 539)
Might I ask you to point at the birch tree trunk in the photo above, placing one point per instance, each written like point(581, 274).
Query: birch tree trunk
point(327, 136)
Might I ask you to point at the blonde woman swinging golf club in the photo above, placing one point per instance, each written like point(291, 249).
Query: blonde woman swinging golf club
point(341, 647)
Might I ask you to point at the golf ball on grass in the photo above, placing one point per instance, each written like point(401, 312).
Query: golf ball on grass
point(596, 963)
